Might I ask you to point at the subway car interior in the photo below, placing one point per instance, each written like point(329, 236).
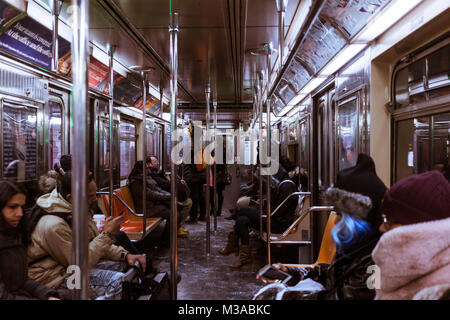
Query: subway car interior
point(213, 132)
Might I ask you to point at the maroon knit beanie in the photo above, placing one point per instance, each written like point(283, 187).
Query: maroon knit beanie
point(419, 198)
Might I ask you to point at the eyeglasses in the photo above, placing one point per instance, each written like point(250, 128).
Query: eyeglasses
point(388, 222)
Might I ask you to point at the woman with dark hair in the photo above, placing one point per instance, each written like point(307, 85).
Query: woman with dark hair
point(357, 201)
point(14, 281)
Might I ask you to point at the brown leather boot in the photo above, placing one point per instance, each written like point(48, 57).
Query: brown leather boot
point(232, 245)
point(245, 258)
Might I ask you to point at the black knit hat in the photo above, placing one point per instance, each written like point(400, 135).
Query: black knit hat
point(359, 191)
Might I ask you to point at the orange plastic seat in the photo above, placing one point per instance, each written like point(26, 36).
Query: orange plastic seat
point(327, 247)
point(132, 225)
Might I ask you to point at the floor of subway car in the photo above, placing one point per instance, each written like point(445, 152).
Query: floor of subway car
point(209, 277)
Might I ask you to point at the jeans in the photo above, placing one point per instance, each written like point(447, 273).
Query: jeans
point(105, 280)
point(246, 217)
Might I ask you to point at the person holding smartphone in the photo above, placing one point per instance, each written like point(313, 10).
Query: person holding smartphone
point(50, 251)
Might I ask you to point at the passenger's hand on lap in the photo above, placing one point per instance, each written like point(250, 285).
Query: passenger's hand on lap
point(112, 225)
point(132, 258)
point(183, 182)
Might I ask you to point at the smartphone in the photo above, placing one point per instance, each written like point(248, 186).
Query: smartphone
point(271, 273)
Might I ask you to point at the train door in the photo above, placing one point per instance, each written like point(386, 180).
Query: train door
point(56, 125)
point(22, 98)
point(323, 151)
point(102, 147)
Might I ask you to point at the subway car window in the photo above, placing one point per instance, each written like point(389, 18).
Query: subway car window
point(347, 133)
point(55, 134)
point(127, 132)
point(422, 144)
point(19, 142)
point(304, 154)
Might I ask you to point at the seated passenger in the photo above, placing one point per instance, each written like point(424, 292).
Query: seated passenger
point(48, 181)
point(414, 251)
point(14, 281)
point(157, 200)
point(64, 164)
point(50, 251)
point(357, 200)
point(248, 217)
point(182, 192)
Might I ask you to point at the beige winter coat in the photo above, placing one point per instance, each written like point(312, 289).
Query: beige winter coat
point(412, 258)
point(50, 252)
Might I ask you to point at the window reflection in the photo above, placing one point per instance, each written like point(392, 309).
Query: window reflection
point(347, 134)
point(423, 144)
point(55, 138)
point(19, 142)
point(127, 147)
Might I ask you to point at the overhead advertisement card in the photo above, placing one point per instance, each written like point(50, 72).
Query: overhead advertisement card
point(29, 40)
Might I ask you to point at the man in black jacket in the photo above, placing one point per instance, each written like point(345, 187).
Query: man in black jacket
point(157, 200)
point(185, 203)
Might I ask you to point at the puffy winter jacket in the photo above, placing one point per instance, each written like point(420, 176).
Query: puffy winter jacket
point(50, 251)
point(14, 281)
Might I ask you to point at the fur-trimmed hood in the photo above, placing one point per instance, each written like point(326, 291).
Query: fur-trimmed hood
point(413, 257)
point(349, 202)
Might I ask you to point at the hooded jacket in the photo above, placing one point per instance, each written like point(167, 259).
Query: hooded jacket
point(14, 281)
point(413, 257)
point(50, 251)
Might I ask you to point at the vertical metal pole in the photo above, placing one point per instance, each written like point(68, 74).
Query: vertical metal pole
point(80, 47)
point(215, 165)
point(56, 9)
point(281, 7)
point(260, 107)
point(208, 172)
point(144, 76)
point(111, 126)
point(173, 30)
point(269, 153)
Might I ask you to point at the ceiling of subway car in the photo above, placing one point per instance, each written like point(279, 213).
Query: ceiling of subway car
point(213, 41)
